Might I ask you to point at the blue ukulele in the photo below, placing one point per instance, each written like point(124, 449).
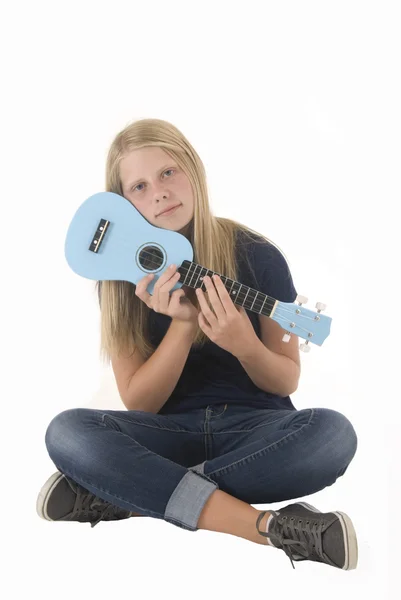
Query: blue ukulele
point(109, 239)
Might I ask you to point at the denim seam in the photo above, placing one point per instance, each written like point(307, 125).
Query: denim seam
point(265, 449)
point(188, 430)
point(219, 415)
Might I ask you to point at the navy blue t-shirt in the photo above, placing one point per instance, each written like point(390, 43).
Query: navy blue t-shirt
point(212, 375)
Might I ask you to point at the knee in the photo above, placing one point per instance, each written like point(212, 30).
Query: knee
point(62, 431)
point(340, 435)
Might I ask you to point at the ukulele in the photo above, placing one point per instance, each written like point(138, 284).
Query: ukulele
point(109, 239)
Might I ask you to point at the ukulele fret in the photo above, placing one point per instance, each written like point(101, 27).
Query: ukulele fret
point(193, 277)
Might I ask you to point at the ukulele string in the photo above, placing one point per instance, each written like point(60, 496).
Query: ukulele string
point(195, 276)
point(256, 303)
point(252, 302)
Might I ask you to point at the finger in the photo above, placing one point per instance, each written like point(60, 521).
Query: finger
point(206, 310)
point(223, 294)
point(170, 282)
point(175, 299)
point(175, 302)
point(204, 325)
point(141, 289)
point(166, 277)
point(167, 274)
point(165, 289)
point(165, 294)
point(214, 298)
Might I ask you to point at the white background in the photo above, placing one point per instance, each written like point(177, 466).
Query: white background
point(294, 107)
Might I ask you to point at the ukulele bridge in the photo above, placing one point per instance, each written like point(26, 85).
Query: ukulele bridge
point(99, 235)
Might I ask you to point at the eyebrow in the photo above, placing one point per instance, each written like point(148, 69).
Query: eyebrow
point(133, 183)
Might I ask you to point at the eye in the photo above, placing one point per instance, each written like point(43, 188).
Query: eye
point(167, 170)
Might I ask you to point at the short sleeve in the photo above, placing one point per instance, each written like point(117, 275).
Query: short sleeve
point(272, 273)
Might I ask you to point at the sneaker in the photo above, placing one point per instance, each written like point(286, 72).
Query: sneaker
point(62, 499)
point(306, 533)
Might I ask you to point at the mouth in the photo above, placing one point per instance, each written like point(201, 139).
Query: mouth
point(169, 212)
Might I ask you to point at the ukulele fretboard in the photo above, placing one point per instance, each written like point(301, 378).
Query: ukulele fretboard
point(248, 298)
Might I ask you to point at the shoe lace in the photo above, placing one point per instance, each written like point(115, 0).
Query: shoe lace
point(299, 538)
point(89, 507)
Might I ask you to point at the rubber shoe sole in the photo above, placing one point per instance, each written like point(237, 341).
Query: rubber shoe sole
point(306, 533)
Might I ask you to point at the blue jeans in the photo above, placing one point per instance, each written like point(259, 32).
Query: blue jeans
point(167, 466)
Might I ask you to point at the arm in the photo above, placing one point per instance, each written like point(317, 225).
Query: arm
point(153, 383)
point(269, 371)
point(273, 365)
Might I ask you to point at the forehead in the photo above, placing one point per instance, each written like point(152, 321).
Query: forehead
point(138, 163)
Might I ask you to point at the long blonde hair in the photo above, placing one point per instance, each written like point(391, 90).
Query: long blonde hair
point(124, 316)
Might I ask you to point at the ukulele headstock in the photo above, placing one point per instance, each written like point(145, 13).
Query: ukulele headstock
point(310, 325)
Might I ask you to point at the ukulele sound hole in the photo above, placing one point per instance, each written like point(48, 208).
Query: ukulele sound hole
point(151, 258)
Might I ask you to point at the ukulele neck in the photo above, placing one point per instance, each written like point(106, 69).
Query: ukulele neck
point(239, 293)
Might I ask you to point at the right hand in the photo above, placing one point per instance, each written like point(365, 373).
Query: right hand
point(177, 306)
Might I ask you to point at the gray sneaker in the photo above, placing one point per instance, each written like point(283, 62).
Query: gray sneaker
point(306, 533)
point(62, 499)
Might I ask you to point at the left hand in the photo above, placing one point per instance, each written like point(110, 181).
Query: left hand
point(228, 326)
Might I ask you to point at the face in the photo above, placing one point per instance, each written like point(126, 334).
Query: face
point(152, 181)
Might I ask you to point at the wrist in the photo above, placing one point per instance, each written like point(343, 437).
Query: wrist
point(188, 327)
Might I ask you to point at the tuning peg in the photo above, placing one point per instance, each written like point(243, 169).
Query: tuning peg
point(301, 300)
point(320, 306)
point(286, 337)
point(305, 347)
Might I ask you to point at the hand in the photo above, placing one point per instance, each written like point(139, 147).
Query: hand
point(228, 326)
point(178, 306)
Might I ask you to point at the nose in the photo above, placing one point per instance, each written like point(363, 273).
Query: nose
point(160, 193)
point(159, 189)
point(160, 196)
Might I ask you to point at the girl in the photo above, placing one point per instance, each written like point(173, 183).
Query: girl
point(210, 427)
